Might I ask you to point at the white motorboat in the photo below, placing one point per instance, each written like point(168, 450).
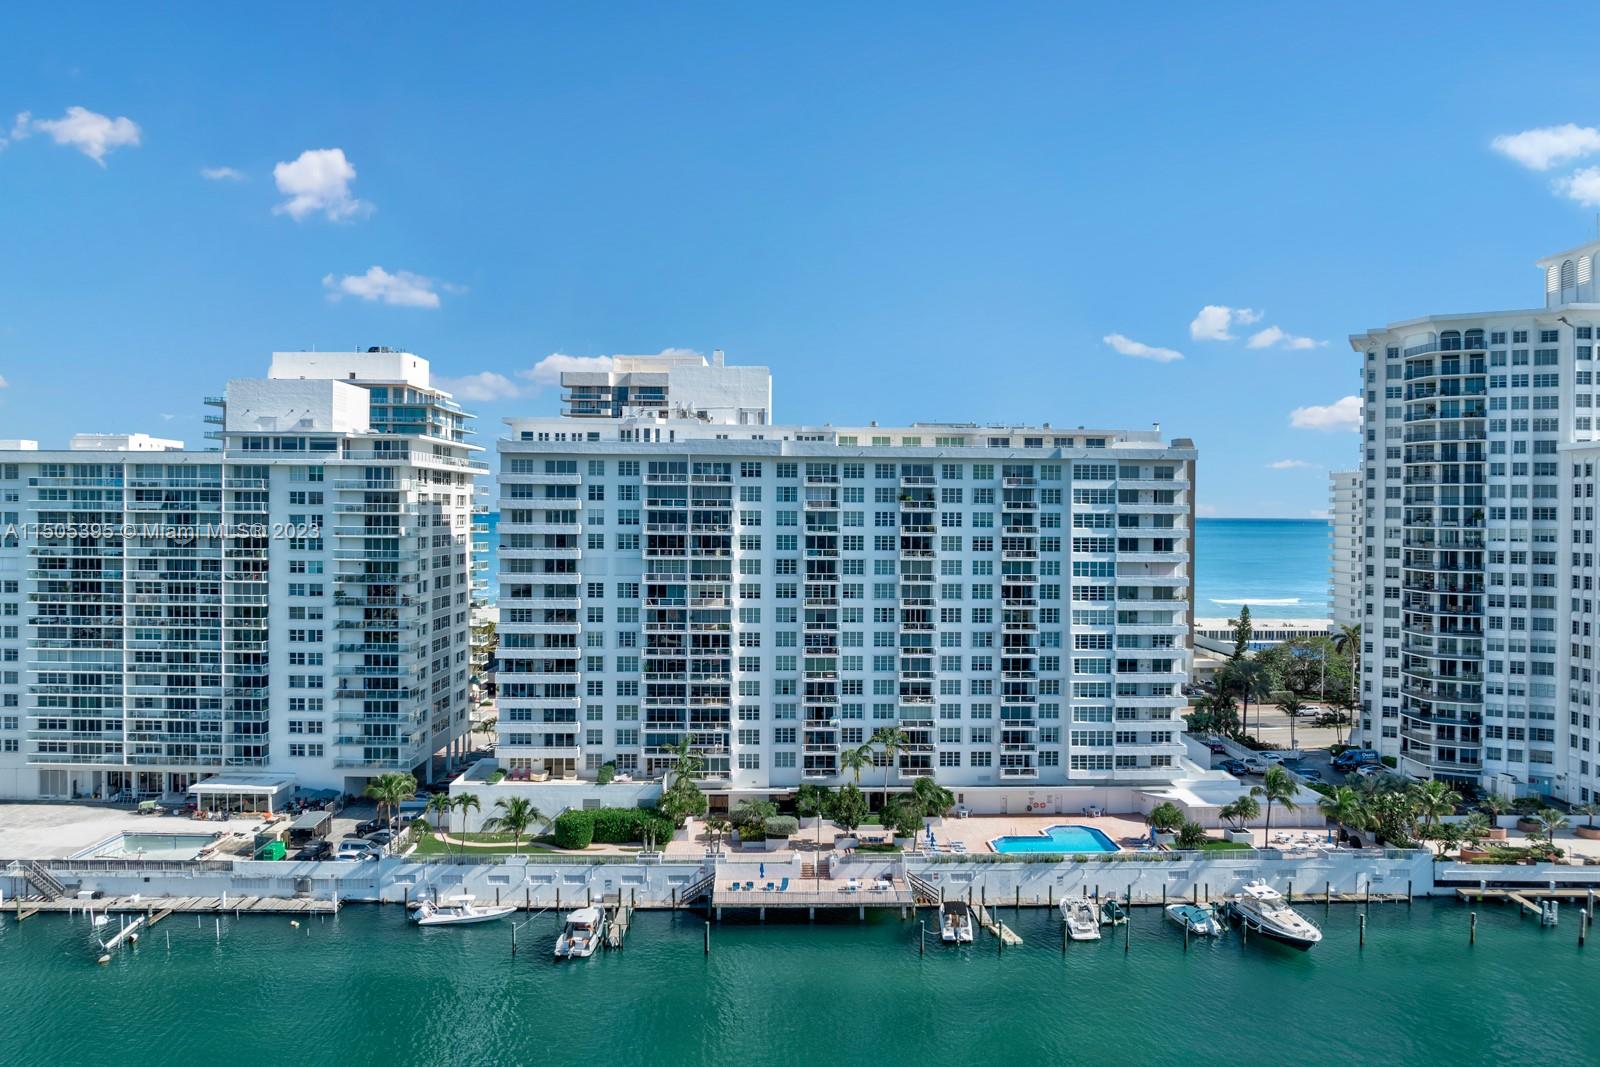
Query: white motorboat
point(456, 911)
point(955, 922)
point(1261, 909)
point(1083, 920)
point(582, 934)
point(1198, 920)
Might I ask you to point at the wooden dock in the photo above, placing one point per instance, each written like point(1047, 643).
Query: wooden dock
point(995, 926)
point(620, 915)
point(158, 908)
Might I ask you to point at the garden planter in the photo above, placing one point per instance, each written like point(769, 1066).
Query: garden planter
point(1473, 855)
point(844, 841)
point(1167, 839)
point(1241, 837)
point(1588, 833)
point(1529, 826)
point(1497, 833)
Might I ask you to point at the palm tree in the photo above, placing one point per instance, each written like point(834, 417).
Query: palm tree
point(1588, 811)
point(716, 827)
point(752, 814)
point(1277, 787)
point(1346, 808)
point(439, 806)
point(1292, 706)
point(516, 815)
point(1241, 811)
point(1550, 821)
point(1347, 643)
point(466, 803)
point(1434, 800)
point(811, 801)
point(934, 798)
point(891, 739)
point(856, 760)
point(390, 791)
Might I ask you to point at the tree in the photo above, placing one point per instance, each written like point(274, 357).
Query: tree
point(1165, 817)
point(1493, 805)
point(681, 796)
point(1588, 811)
point(1345, 808)
point(1474, 828)
point(1347, 642)
point(934, 798)
point(751, 816)
point(466, 804)
point(516, 815)
point(1432, 800)
point(855, 760)
point(1550, 821)
point(812, 802)
point(717, 826)
point(1241, 812)
point(1293, 707)
point(439, 806)
point(1277, 787)
point(1449, 835)
point(890, 740)
point(903, 815)
point(1242, 632)
point(849, 808)
point(390, 791)
point(1191, 836)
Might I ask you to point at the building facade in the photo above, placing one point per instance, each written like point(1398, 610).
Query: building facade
point(1468, 564)
point(1345, 564)
point(1014, 600)
point(294, 603)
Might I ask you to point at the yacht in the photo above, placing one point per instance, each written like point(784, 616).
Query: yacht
point(1261, 909)
point(1198, 920)
point(955, 922)
point(1083, 920)
point(457, 911)
point(582, 934)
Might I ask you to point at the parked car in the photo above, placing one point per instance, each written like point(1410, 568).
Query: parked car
point(1234, 767)
point(1370, 771)
point(1311, 776)
point(319, 849)
point(1254, 765)
point(381, 838)
point(355, 848)
point(1278, 757)
point(368, 827)
point(1217, 747)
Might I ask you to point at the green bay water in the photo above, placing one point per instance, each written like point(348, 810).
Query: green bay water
point(366, 987)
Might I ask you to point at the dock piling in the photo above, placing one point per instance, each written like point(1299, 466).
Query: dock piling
point(708, 937)
point(1472, 928)
point(1583, 927)
point(922, 939)
point(1363, 941)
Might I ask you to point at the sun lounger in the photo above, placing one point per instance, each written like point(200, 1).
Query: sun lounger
point(783, 885)
point(852, 886)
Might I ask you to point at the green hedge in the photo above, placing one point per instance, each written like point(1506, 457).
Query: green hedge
point(782, 826)
point(578, 828)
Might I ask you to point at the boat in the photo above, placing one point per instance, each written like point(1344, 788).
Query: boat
point(1112, 913)
point(457, 911)
point(582, 934)
point(1261, 909)
point(1083, 922)
point(1198, 920)
point(955, 922)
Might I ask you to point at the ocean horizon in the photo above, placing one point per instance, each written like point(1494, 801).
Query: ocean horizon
point(1278, 567)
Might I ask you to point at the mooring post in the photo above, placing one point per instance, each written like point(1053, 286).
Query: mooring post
point(1409, 894)
point(497, 896)
point(1472, 928)
point(1583, 927)
point(1063, 937)
point(708, 937)
point(1363, 929)
point(1186, 937)
point(1019, 897)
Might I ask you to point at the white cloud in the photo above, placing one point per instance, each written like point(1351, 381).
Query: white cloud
point(318, 181)
point(1583, 186)
point(1139, 350)
point(89, 132)
point(1277, 337)
point(1548, 146)
point(1214, 320)
point(400, 289)
point(481, 387)
point(3, 383)
point(1205, 511)
point(548, 370)
point(1342, 414)
point(1290, 465)
point(221, 174)
point(1319, 513)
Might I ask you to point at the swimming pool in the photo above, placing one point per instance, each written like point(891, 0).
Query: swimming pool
point(1056, 839)
point(150, 846)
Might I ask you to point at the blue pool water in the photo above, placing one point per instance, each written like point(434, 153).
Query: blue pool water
point(1057, 839)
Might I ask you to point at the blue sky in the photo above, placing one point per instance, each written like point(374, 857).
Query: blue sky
point(947, 208)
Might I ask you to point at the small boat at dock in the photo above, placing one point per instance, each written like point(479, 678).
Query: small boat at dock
point(1083, 921)
point(457, 911)
point(1198, 920)
point(582, 934)
point(1112, 913)
point(1260, 909)
point(955, 922)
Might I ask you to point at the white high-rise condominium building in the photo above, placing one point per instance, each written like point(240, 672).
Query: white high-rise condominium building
point(1345, 518)
point(1015, 599)
point(291, 606)
point(1477, 587)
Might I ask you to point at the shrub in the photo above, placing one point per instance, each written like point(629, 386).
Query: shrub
point(607, 772)
point(579, 828)
point(574, 829)
point(1165, 817)
point(782, 825)
point(496, 776)
point(1390, 761)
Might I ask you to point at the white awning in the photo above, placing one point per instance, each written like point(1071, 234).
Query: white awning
point(237, 785)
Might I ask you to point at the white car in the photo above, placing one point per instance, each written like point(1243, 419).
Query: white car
point(1275, 757)
point(1254, 765)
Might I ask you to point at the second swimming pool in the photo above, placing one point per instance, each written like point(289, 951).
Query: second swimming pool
point(1056, 839)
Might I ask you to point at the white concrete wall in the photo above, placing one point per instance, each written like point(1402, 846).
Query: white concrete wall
point(317, 406)
point(365, 366)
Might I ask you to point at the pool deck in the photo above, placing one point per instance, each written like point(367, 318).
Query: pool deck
point(54, 831)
